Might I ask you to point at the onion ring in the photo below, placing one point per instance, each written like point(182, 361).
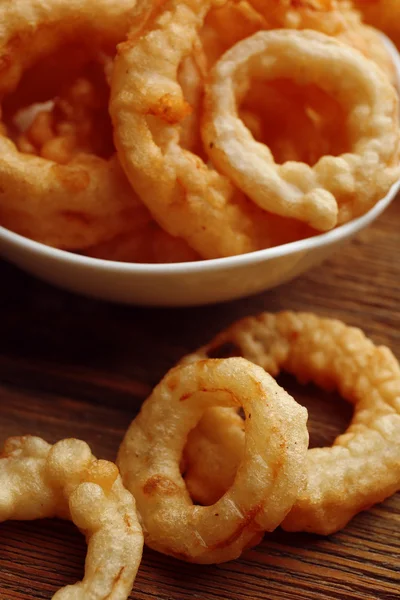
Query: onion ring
point(88, 200)
point(355, 180)
point(188, 199)
point(38, 481)
point(363, 465)
point(267, 482)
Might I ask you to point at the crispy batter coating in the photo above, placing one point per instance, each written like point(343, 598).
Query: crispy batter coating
point(363, 465)
point(39, 481)
point(268, 478)
point(328, 16)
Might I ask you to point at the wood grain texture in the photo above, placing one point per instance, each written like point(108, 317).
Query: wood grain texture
point(76, 367)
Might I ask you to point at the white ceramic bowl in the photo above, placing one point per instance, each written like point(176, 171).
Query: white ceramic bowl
point(185, 284)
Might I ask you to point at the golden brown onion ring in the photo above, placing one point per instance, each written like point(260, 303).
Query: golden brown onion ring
point(88, 200)
point(268, 479)
point(188, 198)
point(363, 465)
point(336, 188)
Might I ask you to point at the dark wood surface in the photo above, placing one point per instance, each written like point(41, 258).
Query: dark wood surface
point(75, 367)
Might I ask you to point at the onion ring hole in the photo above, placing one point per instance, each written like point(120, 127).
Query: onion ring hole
point(60, 107)
point(329, 416)
point(298, 123)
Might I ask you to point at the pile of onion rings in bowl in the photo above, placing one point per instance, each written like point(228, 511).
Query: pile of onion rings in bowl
point(154, 132)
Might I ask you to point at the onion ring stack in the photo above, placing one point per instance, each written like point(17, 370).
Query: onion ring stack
point(192, 200)
point(363, 465)
point(300, 154)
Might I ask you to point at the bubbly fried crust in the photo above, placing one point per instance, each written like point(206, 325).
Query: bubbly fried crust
point(187, 198)
point(75, 124)
point(88, 200)
point(363, 465)
point(268, 479)
point(39, 481)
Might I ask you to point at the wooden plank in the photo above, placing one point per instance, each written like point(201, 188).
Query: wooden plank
point(70, 366)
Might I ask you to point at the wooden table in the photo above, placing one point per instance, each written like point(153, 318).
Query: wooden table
point(75, 367)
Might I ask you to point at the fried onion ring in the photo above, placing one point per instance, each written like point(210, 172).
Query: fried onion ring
point(362, 467)
point(39, 481)
point(89, 199)
point(268, 479)
point(188, 199)
point(75, 123)
point(335, 188)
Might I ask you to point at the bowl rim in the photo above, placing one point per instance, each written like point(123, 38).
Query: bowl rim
point(325, 239)
point(208, 265)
